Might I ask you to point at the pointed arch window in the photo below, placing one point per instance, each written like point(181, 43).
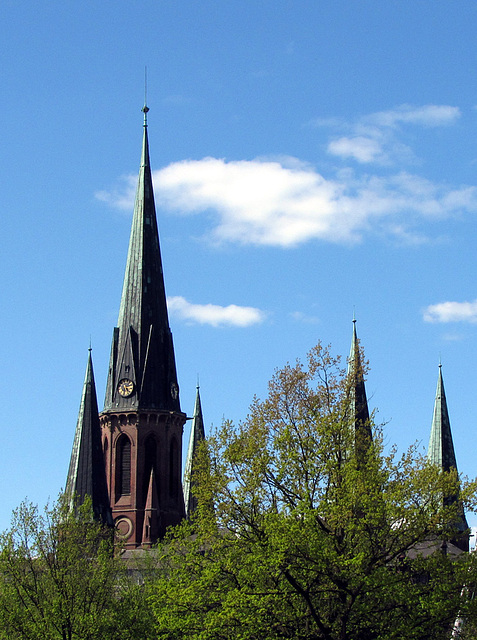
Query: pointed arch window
point(123, 466)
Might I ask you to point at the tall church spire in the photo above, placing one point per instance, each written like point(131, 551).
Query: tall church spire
point(441, 447)
point(197, 434)
point(441, 453)
point(86, 474)
point(142, 421)
point(357, 395)
point(142, 371)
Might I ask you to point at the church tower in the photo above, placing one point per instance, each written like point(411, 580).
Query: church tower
point(142, 421)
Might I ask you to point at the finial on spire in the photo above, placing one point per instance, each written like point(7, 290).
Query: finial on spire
point(145, 108)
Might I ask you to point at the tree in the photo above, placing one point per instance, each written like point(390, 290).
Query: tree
point(305, 532)
point(59, 579)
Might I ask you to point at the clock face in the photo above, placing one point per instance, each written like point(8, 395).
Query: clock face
point(126, 388)
point(174, 390)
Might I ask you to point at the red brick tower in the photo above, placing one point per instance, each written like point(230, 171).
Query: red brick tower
point(142, 422)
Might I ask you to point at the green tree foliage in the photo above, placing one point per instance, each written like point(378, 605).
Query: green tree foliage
point(60, 580)
point(304, 532)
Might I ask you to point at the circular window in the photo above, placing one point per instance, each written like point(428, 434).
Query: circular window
point(124, 528)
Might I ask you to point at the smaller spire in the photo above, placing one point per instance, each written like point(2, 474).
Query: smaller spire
point(441, 453)
point(86, 473)
point(441, 446)
point(354, 351)
point(197, 435)
point(357, 392)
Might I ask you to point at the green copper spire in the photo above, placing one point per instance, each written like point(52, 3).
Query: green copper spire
point(197, 434)
point(142, 371)
point(441, 453)
point(441, 447)
point(86, 473)
point(357, 394)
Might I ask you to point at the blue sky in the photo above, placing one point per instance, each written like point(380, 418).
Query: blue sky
point(311, 160)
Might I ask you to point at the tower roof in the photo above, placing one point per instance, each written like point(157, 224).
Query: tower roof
point(142, 354)
point(441, 447)
point(86, 474)
point(197, 434)
point(441, 453)
point(357, 390)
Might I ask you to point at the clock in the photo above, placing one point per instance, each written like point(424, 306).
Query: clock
point(174, 390)
point(125, 388)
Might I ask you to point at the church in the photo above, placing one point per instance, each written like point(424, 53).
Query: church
point(128, 457)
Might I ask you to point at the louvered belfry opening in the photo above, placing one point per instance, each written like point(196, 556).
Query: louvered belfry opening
point(123, 459)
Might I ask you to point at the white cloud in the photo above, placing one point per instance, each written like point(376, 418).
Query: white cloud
point(256, 202)
point(285, 203)
point(121, 198)
point(451, 312)
point(453, 337)
point(266, 203)
point(215, 315)
point(374, 137)
point(430, 115)
point(360, 148)
point(304, 318)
